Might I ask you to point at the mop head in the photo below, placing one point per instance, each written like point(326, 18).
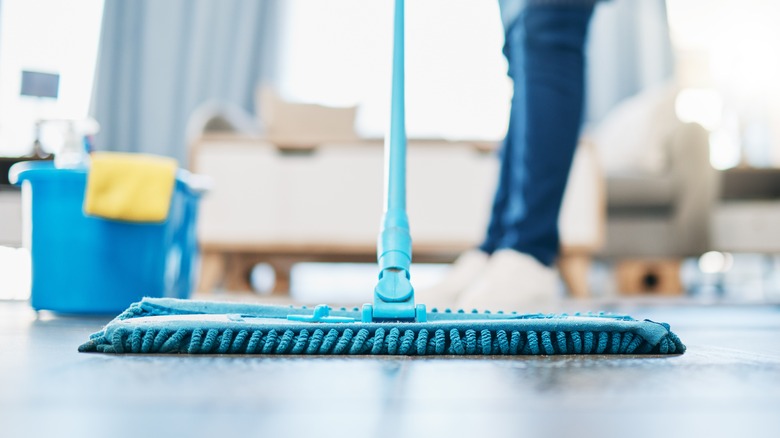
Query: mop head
point(170, 326)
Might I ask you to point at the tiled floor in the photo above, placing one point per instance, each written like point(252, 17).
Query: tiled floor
point(727, 384)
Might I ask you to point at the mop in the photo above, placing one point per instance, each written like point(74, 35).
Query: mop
point(393, 324)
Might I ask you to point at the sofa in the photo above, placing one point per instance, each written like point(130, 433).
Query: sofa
point(661, 191)
point(660, 185)
point(283, 198)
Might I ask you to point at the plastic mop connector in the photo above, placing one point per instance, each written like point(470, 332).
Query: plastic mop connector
point(394, 294)
point(393, 324)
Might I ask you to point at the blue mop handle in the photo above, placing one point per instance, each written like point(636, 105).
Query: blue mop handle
point(395, 243)
point(395, 143)
point(394, 295)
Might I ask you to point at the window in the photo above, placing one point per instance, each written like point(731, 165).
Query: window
point(47, 36)
point(339, 53)
point(728, 63)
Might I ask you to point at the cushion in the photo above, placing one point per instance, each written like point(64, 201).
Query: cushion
point(633, 137)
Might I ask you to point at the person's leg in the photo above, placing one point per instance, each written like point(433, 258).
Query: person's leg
point(495, 229)
point(548, 72)
point(471, 263)
point(545, 51)
point(540, 46)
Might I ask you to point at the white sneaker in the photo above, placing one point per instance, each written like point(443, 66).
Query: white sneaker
point(512, 282)
point(464, 271)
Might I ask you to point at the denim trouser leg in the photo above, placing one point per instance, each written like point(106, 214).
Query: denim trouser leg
point(495, 230)
point(544, 47)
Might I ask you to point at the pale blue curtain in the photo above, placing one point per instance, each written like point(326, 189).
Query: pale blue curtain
point(159, 60)
point(629, 50)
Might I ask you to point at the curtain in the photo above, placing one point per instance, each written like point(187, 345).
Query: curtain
point(159, 60)
point(629, 50)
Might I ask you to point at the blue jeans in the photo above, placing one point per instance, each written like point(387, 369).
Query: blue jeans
point(544, 47)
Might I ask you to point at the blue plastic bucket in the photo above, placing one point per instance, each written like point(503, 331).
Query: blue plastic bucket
point(83, 264)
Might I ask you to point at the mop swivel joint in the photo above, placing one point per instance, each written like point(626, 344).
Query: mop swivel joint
point(394, 294)
point(394, 299)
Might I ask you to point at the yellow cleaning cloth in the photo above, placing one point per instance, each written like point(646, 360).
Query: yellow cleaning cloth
point(130, 187)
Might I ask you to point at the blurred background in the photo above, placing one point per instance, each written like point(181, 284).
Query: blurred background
point(675, 191)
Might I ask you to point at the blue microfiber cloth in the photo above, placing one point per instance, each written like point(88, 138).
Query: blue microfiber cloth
point(165, 325)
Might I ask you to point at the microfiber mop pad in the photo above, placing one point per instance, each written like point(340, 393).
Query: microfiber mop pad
point(161, 325)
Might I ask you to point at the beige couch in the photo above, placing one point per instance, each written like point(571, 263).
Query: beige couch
point(309, 189)
point(283, 205)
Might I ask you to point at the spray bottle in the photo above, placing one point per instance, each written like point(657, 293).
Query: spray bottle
point(73, 153)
